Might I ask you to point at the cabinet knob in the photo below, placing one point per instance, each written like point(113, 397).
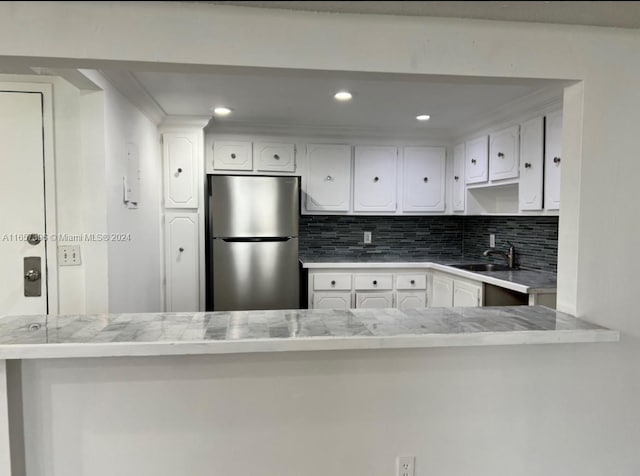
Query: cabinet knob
point(556, 160)
point(425, 180)
point(413, 281)
point(456, 178)
point(375, 283)
point(329, 178)
point(333, 283)
point(276, 156)
point(500, 154)
point(527, 165)
point(233, 156)
point(179, 170)
point(473, 161)
point(180, 249)
point(375, 179)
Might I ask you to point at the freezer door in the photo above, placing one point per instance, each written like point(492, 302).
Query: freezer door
point(246, 206)
point(250, 275)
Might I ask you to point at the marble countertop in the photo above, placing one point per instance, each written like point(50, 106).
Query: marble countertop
point(34, 337)
point(528, 281)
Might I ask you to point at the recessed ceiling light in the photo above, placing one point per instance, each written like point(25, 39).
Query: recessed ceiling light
point(343, 95)
point(222, 111)
point(423, 117)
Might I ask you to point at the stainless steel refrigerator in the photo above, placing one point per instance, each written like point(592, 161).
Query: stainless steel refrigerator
point(253, 242)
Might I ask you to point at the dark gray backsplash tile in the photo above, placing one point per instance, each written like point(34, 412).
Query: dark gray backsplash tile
point(535, 238)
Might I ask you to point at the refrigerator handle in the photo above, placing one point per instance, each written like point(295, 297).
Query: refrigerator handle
point(256, 240)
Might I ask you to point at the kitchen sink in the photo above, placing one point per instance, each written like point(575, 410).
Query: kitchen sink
point(482, 267)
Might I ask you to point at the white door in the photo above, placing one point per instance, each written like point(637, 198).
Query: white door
point(423, 179)
point(458, 178)
point(181, 262)
point(442, 293)
point(553, 159)
point(504, 154)
point(275, 157)
point(375, 179)
point(410, 300)
point(332, 300)
point(181, 170)
point(476, 164)
point(232, 155)
point(374, 300)
point(22, 205)
point(531, 164)
point(466, 294)
point(329, 181)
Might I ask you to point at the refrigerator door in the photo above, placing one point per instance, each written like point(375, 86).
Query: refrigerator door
point(246, 206)
point(257, 274)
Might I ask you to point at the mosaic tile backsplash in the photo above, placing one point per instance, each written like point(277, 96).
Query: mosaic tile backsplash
point(535, 238)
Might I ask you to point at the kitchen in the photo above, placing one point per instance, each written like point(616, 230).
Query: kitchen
point(420, 395)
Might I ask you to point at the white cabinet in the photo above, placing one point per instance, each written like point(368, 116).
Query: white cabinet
point(477, 160)
point(410, 300)
point(274, 157)
point(457, 185)
point(504, 154)
point(232, 155)
point(182, 173)
point(553, 159)
point(449, 290)
point(442, 291)
point(531, 164)
point(329, 177)
point(331, 300)
point(374, 300)
point(375, 179)
point(466, 293)
point(424, 179)
point(373, 281)
point(182, 262)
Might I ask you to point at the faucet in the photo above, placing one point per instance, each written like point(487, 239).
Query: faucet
point(510, 256)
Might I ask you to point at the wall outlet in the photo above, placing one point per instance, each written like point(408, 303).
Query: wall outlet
point(406, 466)
point(69, 255)
point(492, 240)
point(367, 237)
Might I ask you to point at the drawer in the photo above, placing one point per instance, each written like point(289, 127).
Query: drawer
point(411, 281)
point(232, 155)
point(373, 281)
point(327, 282)
point(272, 157)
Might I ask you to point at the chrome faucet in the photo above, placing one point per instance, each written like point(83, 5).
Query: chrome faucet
point(510, 256)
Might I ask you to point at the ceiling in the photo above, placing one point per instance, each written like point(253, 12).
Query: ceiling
point(384, 103)
point(609, 14)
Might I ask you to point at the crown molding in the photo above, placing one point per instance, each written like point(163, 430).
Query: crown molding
point(129, 86)
point(177, 122)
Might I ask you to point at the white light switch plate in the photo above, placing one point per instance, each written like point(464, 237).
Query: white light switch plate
point(69, 255)
point(367, 237)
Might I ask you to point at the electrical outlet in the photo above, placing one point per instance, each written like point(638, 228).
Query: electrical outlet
point(367, 237)
point(69, 255)
point(492, 240)
point(406, 466)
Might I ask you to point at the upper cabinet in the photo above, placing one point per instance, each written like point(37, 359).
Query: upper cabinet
point(457, 184)
point(477, 160)
point(329, 177)
point(424, 179)
point(274, 157)
point(375, 179)
point(504, 154)
point(181, 171)
point(552, 160)
point(232, 155)
point(531, 166)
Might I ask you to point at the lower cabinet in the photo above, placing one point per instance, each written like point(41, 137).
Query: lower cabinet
point(409, 300)
point(466, 294)
point(374, 300)
point(182, 262)
point(331, 300)
point(450, 291)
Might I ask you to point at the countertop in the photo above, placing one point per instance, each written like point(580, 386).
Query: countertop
point(528, 281)
point(32, 337)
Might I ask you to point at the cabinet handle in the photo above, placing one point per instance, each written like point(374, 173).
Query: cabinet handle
point(276, 156)
point(473, 161)
point(375, 179)
point(456, 178)
point(556, 160)
point(425, 180)
point(233, 156)
point(413, 281)
point(527, 165)
point(179, 170)
point(180, 249)
point(329, 178)
point(375, 283)
point(500, 154)
point(333, 283)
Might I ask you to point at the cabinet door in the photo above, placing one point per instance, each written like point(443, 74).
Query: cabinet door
point(375, 179)
point(331, 300)
point(182, 260)
point(232, 155)
point(466, 294)
point(272, 157)
point(410, 300)
point(504, 154)
point(329, 180)
point(531, 164)
point(476, 164)
point(457, 185)
point(553, 158)
point(442, 292)
point(423, 183)
point(181, 169)
point(374, 300)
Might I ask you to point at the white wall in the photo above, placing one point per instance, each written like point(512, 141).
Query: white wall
point(133, 265)
point(560, 410)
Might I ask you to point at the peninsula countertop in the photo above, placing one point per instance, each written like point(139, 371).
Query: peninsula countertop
point(109, 335)
point(527, 281)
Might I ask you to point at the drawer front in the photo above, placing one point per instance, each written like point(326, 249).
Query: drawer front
point(411, 281)
point(232, 155)
point(373, 281)
point(273, 157)
point(328, 282)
